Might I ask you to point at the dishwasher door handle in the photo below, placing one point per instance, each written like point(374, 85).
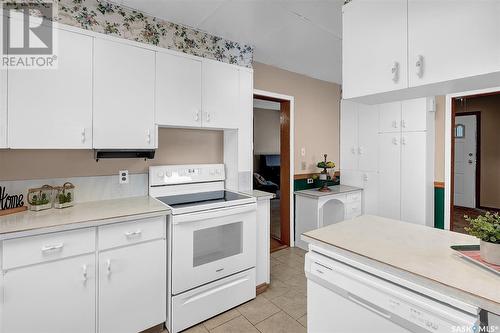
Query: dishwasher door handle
point(360, 302)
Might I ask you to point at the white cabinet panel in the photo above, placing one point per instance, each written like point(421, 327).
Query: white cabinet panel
point(368, 118)
point(413, 177)
point(55, 297)
point(3, 109)
point(349, 135)
point(414, 115)
point(53, 108)
point(124, 86)
point(262, 268)
point(132, 288)
point(390, 175)
point(390, 117)
point(178, 91)
point(220, 95)
point(245, 117)
point(371, 193)
point(368, 63)
point(456, 39)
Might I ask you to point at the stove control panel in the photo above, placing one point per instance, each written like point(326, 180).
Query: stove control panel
point(185, 174)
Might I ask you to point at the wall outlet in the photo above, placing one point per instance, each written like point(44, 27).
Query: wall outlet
point(310, 180)
point(123, 176)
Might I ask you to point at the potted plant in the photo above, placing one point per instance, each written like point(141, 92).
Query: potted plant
point(325, 165)
point(487, 229)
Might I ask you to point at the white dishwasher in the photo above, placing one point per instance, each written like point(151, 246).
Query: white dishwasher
point(344, 299)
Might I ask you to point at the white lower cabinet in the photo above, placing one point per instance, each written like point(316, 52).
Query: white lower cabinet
point(132, 287)
point(51, 297)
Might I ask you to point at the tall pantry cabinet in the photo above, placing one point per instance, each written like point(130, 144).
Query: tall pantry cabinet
point(400, 138)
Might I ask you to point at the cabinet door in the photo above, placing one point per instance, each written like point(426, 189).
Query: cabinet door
point(3, 108)
point(245, 127)
point(220, 95)
point(178, 91)
point(130, 310)
point(368, 118)
point(414, 115)
point(413, 177)
point(374, 44)
point(390, 117)
point(456, 39)
point(390, 175)
point(349, 135)
point(124, 85)
point(371, 193)
point(53, 108)
point(56, 297)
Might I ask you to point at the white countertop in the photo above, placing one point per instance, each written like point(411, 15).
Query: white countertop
point(336, 189)
point(81, 214)
point(260, 195)
point(422, 251)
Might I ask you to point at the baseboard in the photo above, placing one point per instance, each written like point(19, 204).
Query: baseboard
point(261, 288)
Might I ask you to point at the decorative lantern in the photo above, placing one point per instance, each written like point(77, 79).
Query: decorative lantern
point(40, 198)
point(65, 195)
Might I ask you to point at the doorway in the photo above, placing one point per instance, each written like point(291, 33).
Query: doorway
point(272, 172)
point(475, 157)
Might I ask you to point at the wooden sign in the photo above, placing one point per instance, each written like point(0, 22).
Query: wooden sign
point(10, 203)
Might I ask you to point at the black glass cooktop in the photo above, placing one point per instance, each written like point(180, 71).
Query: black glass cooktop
point(203, 198)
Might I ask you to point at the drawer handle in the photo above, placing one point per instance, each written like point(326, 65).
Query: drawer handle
point(52, 247)
point(84, 273)
point(133, 233)
point(108, 267)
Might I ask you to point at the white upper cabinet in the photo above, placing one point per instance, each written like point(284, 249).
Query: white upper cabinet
point(52, 108)
point(390, 117)
point(124, 96)
point(452, 39)
point(178, 91)
point(3, 109)
point(374, 47)
point(414, 115)
point(220, 95)
point(245, 120)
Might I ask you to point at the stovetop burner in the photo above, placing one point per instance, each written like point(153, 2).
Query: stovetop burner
point(201, 198)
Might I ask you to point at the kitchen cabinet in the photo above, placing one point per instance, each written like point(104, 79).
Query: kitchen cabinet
point(453, 40)
point(124, 96)
point(220, 91)
point(132, 287)
point(390, 117)
point(178, 91)
point(412, 117)
point(359, 136)
point(3, 108)
point(369, 182)
point(374, 47)
point(52, 108)
point(390, 175)
point(262, 269)
point(245, 127)
point(57, 297)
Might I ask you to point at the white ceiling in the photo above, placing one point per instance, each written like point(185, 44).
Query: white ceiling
point(302, 36)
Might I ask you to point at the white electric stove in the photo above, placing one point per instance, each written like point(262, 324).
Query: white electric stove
point(212, 242)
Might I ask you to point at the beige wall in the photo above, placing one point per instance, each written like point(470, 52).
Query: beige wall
point(266, 131)
point(317, 105)
point(439, 149)
point(175, 146)
point(489, 106)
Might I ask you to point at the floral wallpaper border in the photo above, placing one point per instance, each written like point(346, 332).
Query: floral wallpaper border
point(112, 19)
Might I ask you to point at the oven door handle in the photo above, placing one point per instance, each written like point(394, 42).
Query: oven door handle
point(213, 213)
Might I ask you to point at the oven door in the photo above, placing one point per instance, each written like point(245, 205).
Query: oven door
point(210, 245)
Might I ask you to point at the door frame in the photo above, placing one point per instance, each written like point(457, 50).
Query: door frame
point(477, 175)
point(287, 104)
point(449, 148)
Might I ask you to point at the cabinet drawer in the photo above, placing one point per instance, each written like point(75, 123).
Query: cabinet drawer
point(352, 210)
point(353, 197)
point(126, 233)
point(36, 249)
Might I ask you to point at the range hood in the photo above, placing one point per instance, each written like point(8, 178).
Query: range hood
point(124, 153)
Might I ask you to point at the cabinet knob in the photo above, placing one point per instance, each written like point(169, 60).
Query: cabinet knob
point(419, 66)
point(360, 150)
point(403, 123)
point(395, 71)
point(84, 273)
point(83, 135)
point(208, 116)
point(197, 116)
point(108, 267)
point(395, 141)
point(148, 136)
point(403, 140)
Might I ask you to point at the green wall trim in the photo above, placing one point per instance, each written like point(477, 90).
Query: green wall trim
point(439, 207)
point(301, 184)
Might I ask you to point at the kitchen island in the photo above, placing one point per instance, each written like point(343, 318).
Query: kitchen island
point(411, 257)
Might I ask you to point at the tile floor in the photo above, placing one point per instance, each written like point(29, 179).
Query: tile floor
point(280, 309)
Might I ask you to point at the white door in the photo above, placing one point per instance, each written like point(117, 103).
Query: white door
point(368, 118)
point(124, 96)
point(52, 108)
point(208, 246)
point(132, 287)
point(455, 39)
point(370, 193)
point(413, 178)
point(465, 161)
point(374, 47)
point(55, 297)
point(390, 175)
point(349, 135)
point(178, 91)
point(390, 117)
point(414, 115)
point(220, 95)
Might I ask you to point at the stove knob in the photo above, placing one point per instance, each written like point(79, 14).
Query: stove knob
point(160, 174)
point(212, 172)
point(169, 174)
point(217, 171)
